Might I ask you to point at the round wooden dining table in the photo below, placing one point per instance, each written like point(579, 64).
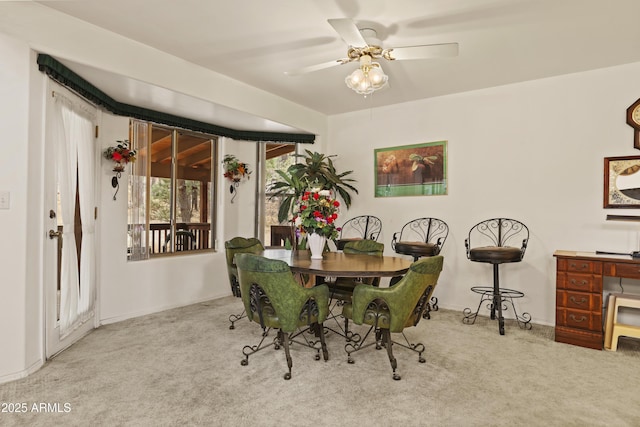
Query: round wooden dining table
point(339, 264)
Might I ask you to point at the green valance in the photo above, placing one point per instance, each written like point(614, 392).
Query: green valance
point(68, 78)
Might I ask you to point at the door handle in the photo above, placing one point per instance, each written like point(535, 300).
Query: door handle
point(54, 234)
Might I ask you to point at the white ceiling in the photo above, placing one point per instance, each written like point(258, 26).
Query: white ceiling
point(256, 41)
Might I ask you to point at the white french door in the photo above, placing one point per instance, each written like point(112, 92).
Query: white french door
point(69, 199)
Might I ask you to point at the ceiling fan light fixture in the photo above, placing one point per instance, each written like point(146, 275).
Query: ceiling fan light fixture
point(377, 76)
point(367, 78)
point(365, 46)
point(355, 78)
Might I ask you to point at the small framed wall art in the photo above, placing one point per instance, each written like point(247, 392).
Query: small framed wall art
point(622, 182)
point(411, 170)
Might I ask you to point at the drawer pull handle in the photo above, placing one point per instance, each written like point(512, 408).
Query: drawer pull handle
point(581, 267)
point(576, 302)
point(573, 317)
point(581, 283)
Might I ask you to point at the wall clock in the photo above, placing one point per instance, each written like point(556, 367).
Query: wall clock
point(633, 120)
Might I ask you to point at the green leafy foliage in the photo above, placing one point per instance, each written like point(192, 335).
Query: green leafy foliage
point(316, 171)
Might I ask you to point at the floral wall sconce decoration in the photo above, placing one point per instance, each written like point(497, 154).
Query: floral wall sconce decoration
point(235, 171)
point(121, 154)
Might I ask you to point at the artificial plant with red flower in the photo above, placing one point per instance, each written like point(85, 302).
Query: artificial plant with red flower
point(316, 212)
point(234, 169)
point(121, 154)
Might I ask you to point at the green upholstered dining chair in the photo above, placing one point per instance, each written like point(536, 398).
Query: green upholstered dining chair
point(391, 310)
point(421, 237)
point(341, 289)
point(238, 245)
point(274, 299)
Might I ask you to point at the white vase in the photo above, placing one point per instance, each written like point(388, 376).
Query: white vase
point(316, 243)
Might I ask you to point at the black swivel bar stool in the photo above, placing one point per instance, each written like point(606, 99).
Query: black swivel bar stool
point(361, 227)
point(490, 245)
point(420, 237)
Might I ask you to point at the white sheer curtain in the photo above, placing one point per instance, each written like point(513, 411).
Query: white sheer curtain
point(86, 178)
point(138, 187)
point(71, 131)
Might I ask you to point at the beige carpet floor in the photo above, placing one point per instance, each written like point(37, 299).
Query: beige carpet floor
point(182, 367)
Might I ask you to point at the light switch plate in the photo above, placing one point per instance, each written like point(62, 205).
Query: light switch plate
point(4, 200)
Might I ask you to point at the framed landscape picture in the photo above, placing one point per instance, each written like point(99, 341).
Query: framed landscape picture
point(411, 170)
point(622, 182)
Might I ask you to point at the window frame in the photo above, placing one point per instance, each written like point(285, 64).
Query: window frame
point(212, 214)
point(277, 150)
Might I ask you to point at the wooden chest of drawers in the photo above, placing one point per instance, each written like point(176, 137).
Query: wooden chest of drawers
point(579, 302)
point(579, 294)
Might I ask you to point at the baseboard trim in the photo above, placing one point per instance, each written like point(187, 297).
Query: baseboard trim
point(22, 374)
point(131, 315)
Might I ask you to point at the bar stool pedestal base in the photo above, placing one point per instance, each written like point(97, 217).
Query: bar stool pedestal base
point(497, 302)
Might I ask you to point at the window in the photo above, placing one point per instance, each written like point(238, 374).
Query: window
point(171, 207)
point(278, 156)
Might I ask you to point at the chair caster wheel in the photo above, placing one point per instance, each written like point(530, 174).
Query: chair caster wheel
point(396, 377)
point(350, 361)
point(276, 347)
point(422, 360)
point(244, 362)
point(232, 327)
point(287, 376)
point(317, 357)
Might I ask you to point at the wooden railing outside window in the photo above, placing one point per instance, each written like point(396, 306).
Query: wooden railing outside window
point(159, 233)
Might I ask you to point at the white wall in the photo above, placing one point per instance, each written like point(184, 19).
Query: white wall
point(239, 217)
point(129, 289)
point(532, 151)
point(14, 83)
point(125, 289)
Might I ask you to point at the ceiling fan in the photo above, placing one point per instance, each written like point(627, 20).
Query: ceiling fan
point(364, 46)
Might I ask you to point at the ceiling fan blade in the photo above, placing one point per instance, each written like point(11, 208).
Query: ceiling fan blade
point(349, 32)
point(425, 51)
point(316, 67)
